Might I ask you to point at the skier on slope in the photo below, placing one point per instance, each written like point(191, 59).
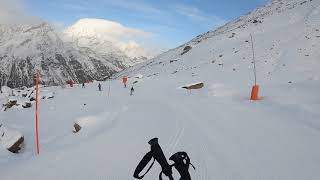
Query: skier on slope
point(83, 85)
point(131, 91)
point(99, 86)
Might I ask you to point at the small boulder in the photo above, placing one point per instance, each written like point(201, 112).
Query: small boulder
point(194, 86)
point(77, 128)
point(48, 96)
point(139, 76)
point(174, 72)
point(10, 104)
point(232, 35)
point(256, 21)
point(11, 139)
point(186, 49)
point(27, 105)
point(16, 147)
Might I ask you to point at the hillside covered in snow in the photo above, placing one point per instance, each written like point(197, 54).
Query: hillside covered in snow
point(226, 135)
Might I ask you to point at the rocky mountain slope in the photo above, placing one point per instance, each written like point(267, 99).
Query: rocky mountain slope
point(26, 49)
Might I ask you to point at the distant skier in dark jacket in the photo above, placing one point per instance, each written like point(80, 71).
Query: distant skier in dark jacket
point(131, 91)
point(83, 85)
point(99, 86)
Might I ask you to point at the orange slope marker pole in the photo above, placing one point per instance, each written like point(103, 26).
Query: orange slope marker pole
point(37, 113)
point(124, 80)
point(255, 93)
point(255, 88)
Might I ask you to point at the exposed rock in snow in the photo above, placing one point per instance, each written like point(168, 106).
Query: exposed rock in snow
point(186, 49)
point(77, 128)
point(194, 86)
point(23, 97)
point(27, 105)
point(48, 96)
point(10, 139)
point(10, 104)
point(139, 76)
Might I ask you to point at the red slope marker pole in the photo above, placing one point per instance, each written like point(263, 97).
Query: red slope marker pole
point(37, 112)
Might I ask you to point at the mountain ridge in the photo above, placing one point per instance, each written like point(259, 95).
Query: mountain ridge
point(26, 49)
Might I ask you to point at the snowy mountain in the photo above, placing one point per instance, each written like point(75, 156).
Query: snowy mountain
point(226, 135)
point(102, 37)
point(25, 49)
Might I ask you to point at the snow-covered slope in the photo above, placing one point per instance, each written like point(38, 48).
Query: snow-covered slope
point(226, 135)
point(102, 37)
point(286, 37)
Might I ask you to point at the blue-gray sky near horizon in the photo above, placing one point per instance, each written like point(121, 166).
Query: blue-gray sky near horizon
point(172, 22)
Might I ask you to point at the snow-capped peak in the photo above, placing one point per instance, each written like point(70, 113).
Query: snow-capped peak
point(26, 49)
point(119, 38)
